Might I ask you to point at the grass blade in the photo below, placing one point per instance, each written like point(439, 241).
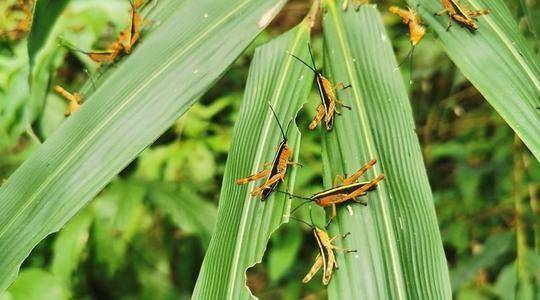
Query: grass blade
point(158, 82)
point(400, 254)
point(45, 15)
point(43, 56)
point(497, 61)
point(244, 223)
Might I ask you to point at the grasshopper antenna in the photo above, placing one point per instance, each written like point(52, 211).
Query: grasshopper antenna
point(91, 78)
point(69, 45)
point(287, 129)
point(301, 221)
point(277, 119)
point(311, 217)
point(300, 205)
point(311, 55)
point(407, 57)
point(300, 60)
point(293, 195)
point(411, 64)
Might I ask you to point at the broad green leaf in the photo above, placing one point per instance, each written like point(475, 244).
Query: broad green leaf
point(13, 96)
point(497, 61)
point(284, 252)
point(118, 212)
point(69, 245)
point(147, 92)
point(492, 252)
point(245, 223)
point(37, 284)
point(509, 285)
point(400, 254)
point(532, 12)
point(507, 282)
point(187, 210)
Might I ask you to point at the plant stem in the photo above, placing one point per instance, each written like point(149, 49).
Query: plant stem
point(519, 207)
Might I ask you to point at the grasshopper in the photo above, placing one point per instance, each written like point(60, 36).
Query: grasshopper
point(461, 15)
point(329, 103)
point(75, 99)
point(416, 30)
point(411, 18)
point(131, 35)
point(125, 41)
point(326, 258)
point(348, 190)
point(276, 173)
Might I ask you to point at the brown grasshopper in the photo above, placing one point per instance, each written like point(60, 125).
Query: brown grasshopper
point(461, 15)
point(411, 18)
point(125, 41)
point(75, 99)
point(416, 30)
point(276, 174)
point(329, 103)
point(326, 258)
point(131, 35)
point(348, 190)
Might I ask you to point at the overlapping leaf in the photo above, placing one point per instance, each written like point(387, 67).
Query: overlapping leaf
point(245, 223)
point(497, 61)
point(400, 254)
point(157, 83)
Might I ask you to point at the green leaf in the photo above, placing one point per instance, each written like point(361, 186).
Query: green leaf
point(147, 92)
point(37, 284)
point(245, 223)
point(491, 254)
point(505, 286)
point(69, 245)
point(45, 16)
point(284, 251)
point(532, 11)
point(400, 254)
point(497, 61)
point(14, 95)
point(187, 210)
point(118, 213)
point(44, 56)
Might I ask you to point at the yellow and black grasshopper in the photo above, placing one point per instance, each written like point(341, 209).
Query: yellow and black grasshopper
point(326, 258)
point(348, 190)
point(276, 174)
point(461, 15)
point(329, 103)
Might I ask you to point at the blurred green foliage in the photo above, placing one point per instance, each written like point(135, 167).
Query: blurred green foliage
point(145, 235)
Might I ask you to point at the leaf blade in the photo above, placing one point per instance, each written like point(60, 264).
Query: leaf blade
point(497, 61)
point(121, 118)
point(397, 235)
point(244, 223)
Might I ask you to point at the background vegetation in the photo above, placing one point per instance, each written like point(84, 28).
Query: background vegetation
point(145, 234)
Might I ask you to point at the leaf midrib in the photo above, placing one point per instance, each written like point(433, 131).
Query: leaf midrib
point(370, 147)
point(258, 158)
